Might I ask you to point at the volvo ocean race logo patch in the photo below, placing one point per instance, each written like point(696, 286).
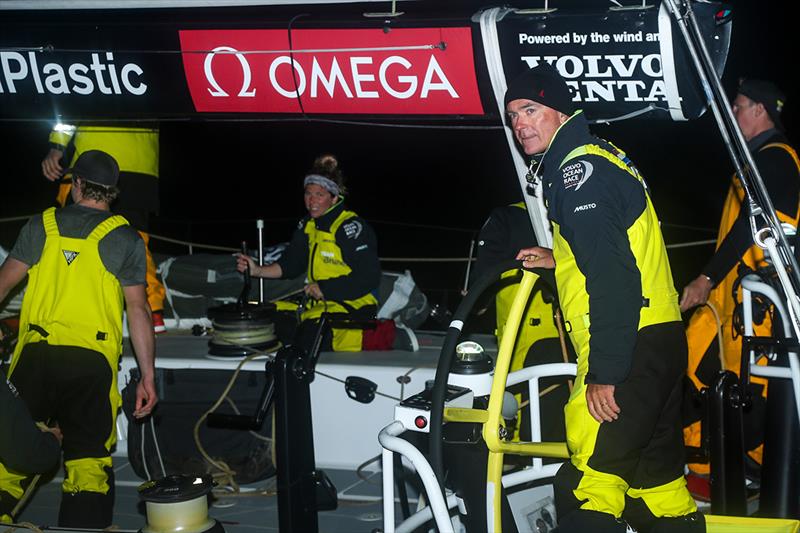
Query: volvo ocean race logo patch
point(576, 174)
point(70, 256)
point(353, 229)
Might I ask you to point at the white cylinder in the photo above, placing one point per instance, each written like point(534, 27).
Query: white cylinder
point(184, 517)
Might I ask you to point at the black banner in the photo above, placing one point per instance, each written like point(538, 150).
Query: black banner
point(618, 62)
point(86, 70)
point(128, 65)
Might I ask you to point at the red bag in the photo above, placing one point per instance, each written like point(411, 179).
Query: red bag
point(381, 337)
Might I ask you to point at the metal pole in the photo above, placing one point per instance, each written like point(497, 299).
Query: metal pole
point(260, 226)
point(534, 201)
point(759, 203)
point(765, 202)
point(387, 463)
point(469, 265)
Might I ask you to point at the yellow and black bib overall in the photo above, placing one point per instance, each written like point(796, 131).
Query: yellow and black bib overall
point(702, 329)
point(65, 362)
point(325, 261)
point(537, 324)
point(136, 151)
point(617, 295)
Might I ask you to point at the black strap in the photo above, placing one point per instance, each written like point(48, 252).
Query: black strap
point(38, 329)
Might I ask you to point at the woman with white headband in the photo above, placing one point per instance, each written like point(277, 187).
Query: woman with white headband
point(338, 251)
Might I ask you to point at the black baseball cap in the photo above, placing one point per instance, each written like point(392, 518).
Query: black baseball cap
point(96, 166)
point(767, 94)
point(542, 84)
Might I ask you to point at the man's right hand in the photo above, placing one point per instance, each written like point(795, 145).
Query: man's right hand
point(244, 262)
point(536, 257)
point(51, 165)
point(696, 293)
point(55, 431)
point(146, 397)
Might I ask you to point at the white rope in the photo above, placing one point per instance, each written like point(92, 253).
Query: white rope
point(158, 449)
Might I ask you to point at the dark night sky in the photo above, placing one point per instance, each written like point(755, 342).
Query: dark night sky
point(215, 173)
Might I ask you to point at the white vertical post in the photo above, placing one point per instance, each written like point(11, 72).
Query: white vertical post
point(260, 226)
point(747, 316)
point(494, 63)
point(388, 490)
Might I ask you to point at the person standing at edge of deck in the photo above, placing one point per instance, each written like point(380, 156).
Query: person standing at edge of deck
point(136, 151)
point(621, 311)
point(83, 265)
point(757, 109)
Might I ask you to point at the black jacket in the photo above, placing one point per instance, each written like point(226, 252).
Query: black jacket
point(359, 252)
point(595, 202)
point(507, 230)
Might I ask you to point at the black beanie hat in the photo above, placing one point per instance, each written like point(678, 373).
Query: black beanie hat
point(542, 84)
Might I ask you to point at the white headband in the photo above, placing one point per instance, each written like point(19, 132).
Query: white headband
point(326, 183)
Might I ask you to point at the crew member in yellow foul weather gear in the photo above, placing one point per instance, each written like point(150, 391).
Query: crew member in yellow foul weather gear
point(508, 230)
point(136, 152)
point(620, 307)
point(338, 251)
point(83, 265)
point(757, 109)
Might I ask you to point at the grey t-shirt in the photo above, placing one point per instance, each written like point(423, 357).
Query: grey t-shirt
point(122, 250)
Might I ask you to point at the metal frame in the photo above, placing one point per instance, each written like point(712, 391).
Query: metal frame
point(438, 508)
point(762, 213)
point(492, 421)
point(757, 200)
point(751, 284)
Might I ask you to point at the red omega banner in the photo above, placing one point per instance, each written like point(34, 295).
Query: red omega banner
point(422, 71)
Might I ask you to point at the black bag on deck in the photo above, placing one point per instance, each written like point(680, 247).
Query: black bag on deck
point(184, 396)
point(197, 282)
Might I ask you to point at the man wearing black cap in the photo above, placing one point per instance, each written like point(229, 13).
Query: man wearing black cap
point(83, 265)
point(757, 109)
point(136, 151)
point(621, 310)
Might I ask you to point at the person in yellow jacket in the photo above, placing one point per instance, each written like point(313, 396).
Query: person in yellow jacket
point(506, 231)
point(620, 306)
point(83, 265)
point(136, 151)
point(757, 109)
point(338, 251)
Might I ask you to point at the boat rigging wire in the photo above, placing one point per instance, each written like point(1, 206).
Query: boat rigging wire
point(191, 245)
point(334, 378)
point(292, 62)
point(290, 50)
point(303, 119)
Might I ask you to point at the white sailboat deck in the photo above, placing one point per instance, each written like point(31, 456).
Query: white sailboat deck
point(345, 436)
